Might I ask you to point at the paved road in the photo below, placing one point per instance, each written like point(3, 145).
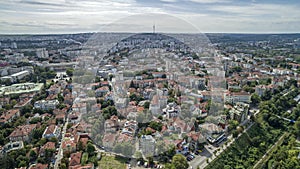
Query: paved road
point(60, 151)
point(222, 148)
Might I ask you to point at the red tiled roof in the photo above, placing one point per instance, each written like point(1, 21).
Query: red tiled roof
point(75, 159)
point(24, 130)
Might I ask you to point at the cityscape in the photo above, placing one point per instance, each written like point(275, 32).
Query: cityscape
point(149, 98)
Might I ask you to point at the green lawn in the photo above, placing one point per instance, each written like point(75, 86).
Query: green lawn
point(112, 162)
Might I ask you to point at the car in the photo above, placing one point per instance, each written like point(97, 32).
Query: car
point(189, 158)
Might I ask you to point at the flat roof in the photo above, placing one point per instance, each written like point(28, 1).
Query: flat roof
point(21, 88)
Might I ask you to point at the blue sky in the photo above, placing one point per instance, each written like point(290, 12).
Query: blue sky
point(71, 16)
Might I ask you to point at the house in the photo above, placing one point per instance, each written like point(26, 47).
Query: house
point(111, 125)
point(52, 131)
point(9, 115)
point(46, 104)
point(172, 110)
point(147, 145)
point(195, 139)
point(22, 133)
point(75, 159)
point(54, 89)
point(39, 166)
point(130, 127)
point(47, 146)
point(154, 105)
point(101, 91)
point(79, 107)
point(69, 146)
point(88, 166)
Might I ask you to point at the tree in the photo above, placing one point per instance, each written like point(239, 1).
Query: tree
point(32, 155)
point(90, 149)
point(255, 99)
point(69, 72)
point(297, 127)
point(180, 162)
point(146, 105)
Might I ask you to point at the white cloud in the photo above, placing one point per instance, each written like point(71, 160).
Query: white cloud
point(36, 16)
point(168, 0)
point(210, 1)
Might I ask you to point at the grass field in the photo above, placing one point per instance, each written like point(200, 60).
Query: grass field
point(112, 162)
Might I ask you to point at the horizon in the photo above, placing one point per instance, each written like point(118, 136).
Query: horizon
point(77, 33)
point(207, 16)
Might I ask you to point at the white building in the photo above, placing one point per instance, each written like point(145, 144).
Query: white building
point(42, 53)
point(46, 105)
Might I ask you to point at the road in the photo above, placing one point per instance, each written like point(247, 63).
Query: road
point(60, 150)
point(270, 149)
point(204, 163)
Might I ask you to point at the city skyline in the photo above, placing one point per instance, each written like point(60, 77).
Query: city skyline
point(207, 16)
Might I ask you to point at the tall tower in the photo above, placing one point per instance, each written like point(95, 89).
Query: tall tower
point(153, 28)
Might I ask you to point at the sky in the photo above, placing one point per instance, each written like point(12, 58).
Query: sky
point(206, 16)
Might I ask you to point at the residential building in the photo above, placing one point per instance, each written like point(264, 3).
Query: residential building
point(52, 131)
point(239, 112)
point(75, 159)
point(22, 133)
point(111, 125)
point(46, 104)
point(47, 146)
point(9, 115)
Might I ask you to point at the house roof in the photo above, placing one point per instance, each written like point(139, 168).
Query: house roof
point(50, 129)
point(7, 115)
point(68, 143)
point(39, 166)
point(49, 145)
point(24, 130)
point(75, 158)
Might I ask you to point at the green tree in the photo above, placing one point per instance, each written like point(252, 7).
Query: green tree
point(180, 162)
point(90, 149)
point(70, 72)
point(32, 155)
point(255, 99)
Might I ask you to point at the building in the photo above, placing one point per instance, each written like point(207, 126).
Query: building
point(237, 97)
point(75, 159)
point(46, 104)
point(9, 115)
point(21, 88)
point(108, 140)
point(147, 145)
point(47, 146)
point(239, 112)
point(172, 110)
point(69, 146)
point(79, 107)
point(39, 166)
point(22, 133)
point(51, 131)
point(111, 125)
point(212, 132)
point(42, 53)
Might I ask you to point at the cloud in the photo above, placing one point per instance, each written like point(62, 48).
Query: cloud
point(37, 16)
point(210, 1)
point(168, 1)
